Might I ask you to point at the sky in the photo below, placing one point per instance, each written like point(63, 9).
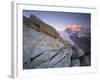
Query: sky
point(60, 20)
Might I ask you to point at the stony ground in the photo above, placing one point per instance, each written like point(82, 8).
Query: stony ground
point(43, 49)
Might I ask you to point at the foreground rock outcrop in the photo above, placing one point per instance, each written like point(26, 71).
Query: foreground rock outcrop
point(42, 46)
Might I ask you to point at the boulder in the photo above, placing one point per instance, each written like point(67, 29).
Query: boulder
point(43, 27)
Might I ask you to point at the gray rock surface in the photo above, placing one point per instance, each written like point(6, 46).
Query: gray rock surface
point(43, 51)
point(85, 60)
point(44, 47)
point(75, 63)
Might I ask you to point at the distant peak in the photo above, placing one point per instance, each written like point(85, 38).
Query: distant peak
point(74, 28)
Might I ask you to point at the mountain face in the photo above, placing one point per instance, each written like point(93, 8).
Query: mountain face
point(80, 38)
point(78, 30)
point(42, 46)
